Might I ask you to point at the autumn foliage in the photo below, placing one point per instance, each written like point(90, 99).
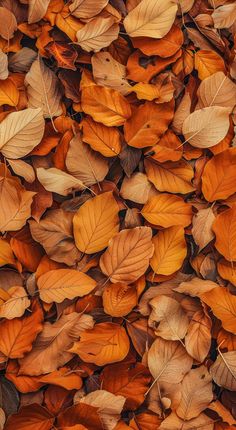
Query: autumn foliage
point(117, 215)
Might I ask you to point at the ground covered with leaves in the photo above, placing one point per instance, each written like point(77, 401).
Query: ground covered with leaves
point(117, 215)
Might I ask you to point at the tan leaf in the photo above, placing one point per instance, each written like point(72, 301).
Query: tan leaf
point(128, 254)
point(173, 422)
point(167, 210)
point(110, 73)
point(8, 23)
point(173, 177)
point(217, 90)
point(87, 8)
point(50, 350)
point(206, 127)
point(168, 361)
point(43, 89)
point(195, 287)
point(196, 389)
point(137, 188)
point(181, 113)
point(151, 19)
point(202, 227)
point(57, 181)
point(224, 413)
point(61, 284)
point(198, 337)
point(21, 60)
point(23, 169)
point(169, 250)
point(37, 10)
point(16, 305)
point(55, 233)
point(20, 132)
point(224, 16)
point(109, 406)
point(3, 65)
point(15, 204)
point(171, 316)
point(97, 34)
point(84, 164)
point(119, 299)
point(105, 140)
point(106, 343)
point(105, 105)
point(223, 371)
point(95, 223)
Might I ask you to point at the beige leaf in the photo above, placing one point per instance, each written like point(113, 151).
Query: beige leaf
point(168, 361)
point(197, 393)
point(50, 348)
point(195, 287)
point(83, 163)
point(3, 65)
point(43, 89)
point(137, 188)
point(57, 181)
point(2, 419)
point(152, 19)
point(181, 113)
point(223, 370)
point(217, 90)
point(206, 127)
point(171, 316)
point(55, 233)
point(15, 203)
point(110, 73)
point(8, 23)
point(201, 230)
point(16, 305)
point(185, 5)
point(21, 168)
point(109, 406)
point(87, 8)
point(95, 223)
point(20, 132)
point(22, 60)
point(61, 284)
point(37, 10)
point(97, 34)
point(198, 337)
point(224, 16)
point(128, 254)
point(173, 422)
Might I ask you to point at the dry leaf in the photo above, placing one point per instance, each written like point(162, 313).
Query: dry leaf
point(95, 223)
point(169, 251)
point(8, 23)
point(43, 89)
point(16, 303)
point(217, 90)
point(105, 140)
point(57, 181)
point(34, 416)
point(119, 299)
point(61, 284)
point(133, 261)
point(86, 8)
point(206, 127)
point(152, 19)
point(207, 63)
point(37, 10)
point(223, 371)
point(202, 227)
point(223, 306)
point(20, 132)
point(224, 228)
point(4, 65)
point(198, 337)
point(167, 210)
point(97, 34)
point(136, 188)
point(224, 16)
point(51, 346)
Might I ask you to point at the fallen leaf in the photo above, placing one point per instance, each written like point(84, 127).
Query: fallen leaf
point(153, 19)
point(224, 16)
point(57, 181)
point(61, 284)
point(16, 303)
point(136, 188)
point(97, 34)
point(86, 8)
point(37, 10)
point(224, 229)
point(217, 90)
point(202, 227)
point(4, 65)
point(127, 266)
point(198, 337)
point(207, 63)
point(223, 371)
point(95, 223)
point(105, 343)
point(223, 306)
point(8, 24)
point(119, 299)
point(31, 417)
point(105, 140)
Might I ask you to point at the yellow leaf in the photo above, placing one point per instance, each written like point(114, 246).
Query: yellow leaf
point(169, 251)
point(95, 223)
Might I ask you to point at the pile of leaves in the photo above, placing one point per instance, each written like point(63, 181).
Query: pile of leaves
point(117, 215)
